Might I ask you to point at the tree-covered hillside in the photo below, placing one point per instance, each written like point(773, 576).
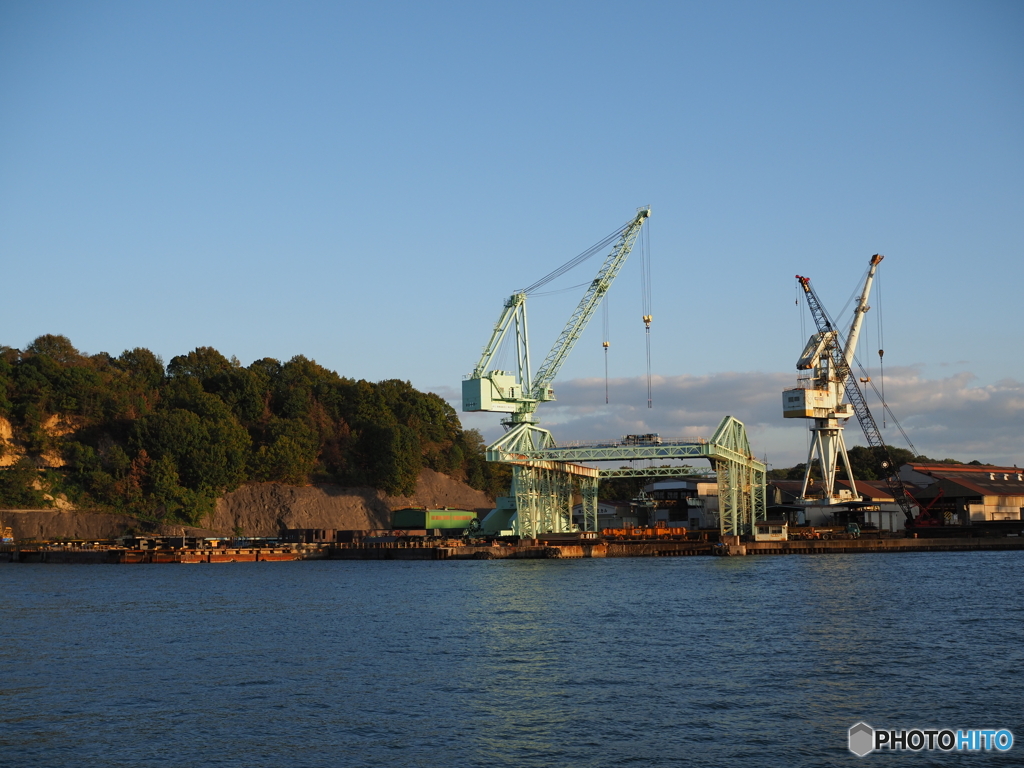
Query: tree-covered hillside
point(137, 437)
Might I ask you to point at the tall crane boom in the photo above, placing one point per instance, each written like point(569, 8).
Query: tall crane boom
point(840, 361)
point(517, 393)
point(860, 310)
point(588, 305)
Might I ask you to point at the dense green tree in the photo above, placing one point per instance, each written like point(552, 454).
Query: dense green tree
point(18, 487)
point(6, 384)
point(57, 348)
point(391, 458)
point(289, 453)
point(208, 453)
point(202, 363)
point(141, 367)
point(244, 391)
point(621, 488)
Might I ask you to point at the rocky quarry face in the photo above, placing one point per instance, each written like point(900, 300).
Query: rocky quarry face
point(265, 509)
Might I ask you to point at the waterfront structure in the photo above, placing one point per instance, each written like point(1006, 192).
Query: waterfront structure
point(610, 514)
point(873, 504)
point(544, 476)
point(968, 493)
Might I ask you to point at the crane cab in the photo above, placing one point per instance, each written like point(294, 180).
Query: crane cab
point(807, 403)
point(497, 391)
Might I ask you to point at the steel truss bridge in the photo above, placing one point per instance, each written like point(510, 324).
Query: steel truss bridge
point(544, 478)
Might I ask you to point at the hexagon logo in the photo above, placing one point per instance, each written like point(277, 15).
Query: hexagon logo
point(862, 738)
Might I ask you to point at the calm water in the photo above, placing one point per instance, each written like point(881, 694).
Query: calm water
point(690, 661)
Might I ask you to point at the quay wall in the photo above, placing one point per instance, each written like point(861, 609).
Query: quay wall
point(15, 553)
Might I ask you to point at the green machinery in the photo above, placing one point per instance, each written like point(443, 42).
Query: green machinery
point(421, 517)
point(544, 476)
point(518, 393)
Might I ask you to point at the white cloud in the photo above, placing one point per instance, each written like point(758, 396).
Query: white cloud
point(945, 417)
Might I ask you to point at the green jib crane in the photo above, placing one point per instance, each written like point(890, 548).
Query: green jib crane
point(518, 393)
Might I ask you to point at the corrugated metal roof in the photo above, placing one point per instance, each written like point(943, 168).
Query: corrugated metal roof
point(787, 485)
point(982, 480)
point(943, 470)
point(974, 486)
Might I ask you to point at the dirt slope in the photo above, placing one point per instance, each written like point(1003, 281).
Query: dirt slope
point(62, 524)
point(265, 509)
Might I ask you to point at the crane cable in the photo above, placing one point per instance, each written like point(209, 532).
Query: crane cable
point(560, 290)
point(803, 338)
point(800, 312)
point(576, 261)
point(606, 342)
point(645, 289)
point(885, 406)
point(853, 297)
point(881, 348)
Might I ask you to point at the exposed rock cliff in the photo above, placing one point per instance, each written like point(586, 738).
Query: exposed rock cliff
point(64, 524)
point(265, 509)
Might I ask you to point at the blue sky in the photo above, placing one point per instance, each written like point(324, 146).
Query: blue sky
point(364, 183)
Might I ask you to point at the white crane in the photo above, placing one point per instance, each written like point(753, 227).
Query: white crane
point(821, 397)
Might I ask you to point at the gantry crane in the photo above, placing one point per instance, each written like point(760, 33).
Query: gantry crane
point(518, 393)
point(823, 401)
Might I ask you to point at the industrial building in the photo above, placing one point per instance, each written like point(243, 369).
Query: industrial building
point(962, 494)
point(873, 505)
point(691, 504)
point(610, 514)
point(675, 503)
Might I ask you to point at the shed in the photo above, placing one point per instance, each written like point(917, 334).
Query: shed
point(771, 530)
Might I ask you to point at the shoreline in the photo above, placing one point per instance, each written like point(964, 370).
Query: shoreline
point(532, 550)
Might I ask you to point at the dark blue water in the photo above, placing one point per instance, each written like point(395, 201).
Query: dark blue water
point(692, 661)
